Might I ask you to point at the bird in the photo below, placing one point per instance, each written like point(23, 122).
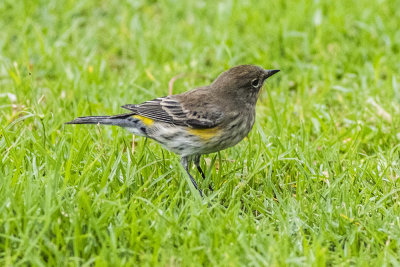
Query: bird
point(203, 120)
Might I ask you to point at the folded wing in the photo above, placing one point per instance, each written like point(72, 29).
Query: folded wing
point(170, 110)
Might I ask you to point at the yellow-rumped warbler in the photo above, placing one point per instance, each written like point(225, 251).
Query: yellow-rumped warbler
point(201, 121)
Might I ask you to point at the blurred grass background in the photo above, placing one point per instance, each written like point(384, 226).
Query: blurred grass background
point(316, 183)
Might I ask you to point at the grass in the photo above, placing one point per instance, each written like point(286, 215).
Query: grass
point(315, 183)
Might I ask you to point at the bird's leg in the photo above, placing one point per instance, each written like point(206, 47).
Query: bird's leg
point(196, 161)
point(185, 164)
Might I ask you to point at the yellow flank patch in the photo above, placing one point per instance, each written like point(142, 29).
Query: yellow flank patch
point(205, 134)
point(146, 121)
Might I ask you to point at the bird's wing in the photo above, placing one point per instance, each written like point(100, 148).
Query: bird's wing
point(170, 110)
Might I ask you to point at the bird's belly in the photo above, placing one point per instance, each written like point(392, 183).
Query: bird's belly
point(187, 141)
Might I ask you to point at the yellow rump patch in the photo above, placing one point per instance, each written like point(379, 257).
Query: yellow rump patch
point(146, 121)
point(205, 134)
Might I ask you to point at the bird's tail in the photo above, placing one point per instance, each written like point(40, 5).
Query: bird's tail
point(118, 120)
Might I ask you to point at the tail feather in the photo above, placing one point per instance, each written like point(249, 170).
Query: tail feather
point(118, 120)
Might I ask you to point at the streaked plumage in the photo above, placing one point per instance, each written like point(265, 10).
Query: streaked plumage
point(201, 121)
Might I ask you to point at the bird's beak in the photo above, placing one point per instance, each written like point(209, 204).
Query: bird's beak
point(269, 73)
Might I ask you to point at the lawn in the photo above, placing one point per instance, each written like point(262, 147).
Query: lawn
point(315, 183)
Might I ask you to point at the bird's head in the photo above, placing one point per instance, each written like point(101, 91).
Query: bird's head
point(243, 81)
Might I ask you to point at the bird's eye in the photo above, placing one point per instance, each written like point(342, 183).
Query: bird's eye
point(255, 83)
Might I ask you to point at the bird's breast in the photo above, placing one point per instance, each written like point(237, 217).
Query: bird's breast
point(238, 128)
point(227, 134)
point(189, 141)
